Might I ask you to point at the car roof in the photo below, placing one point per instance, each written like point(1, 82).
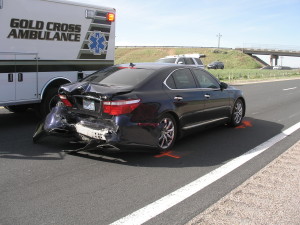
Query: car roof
point(154, 65)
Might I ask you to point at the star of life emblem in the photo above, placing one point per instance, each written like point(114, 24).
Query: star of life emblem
point(97, 43)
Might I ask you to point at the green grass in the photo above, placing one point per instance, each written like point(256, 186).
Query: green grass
point(231, 58)
point(234, 75)
point(238, 66)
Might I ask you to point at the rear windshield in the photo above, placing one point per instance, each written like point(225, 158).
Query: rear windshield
point(119, 76)
point(167, 60)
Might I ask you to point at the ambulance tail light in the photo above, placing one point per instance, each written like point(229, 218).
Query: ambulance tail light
point(110, 17)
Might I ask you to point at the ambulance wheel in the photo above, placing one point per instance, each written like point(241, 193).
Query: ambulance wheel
point(49, 101)
point(17, 108)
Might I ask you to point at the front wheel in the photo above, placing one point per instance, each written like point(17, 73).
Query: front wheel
point(168, 133)
point(237, 113)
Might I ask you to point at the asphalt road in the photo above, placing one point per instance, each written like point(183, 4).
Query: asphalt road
point(39, 184)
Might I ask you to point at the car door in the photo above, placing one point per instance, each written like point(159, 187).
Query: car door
point(217, 103)
point(184, 92)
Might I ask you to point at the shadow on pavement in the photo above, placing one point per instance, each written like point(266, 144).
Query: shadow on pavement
point(16, 131)
point(201, 149)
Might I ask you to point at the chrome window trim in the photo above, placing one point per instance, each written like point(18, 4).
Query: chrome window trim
point(202, 89)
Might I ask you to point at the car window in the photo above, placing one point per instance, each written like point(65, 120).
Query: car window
point(183, 79)
point(205, 80)
point(198, 61)
point(119, 76)
point(181, 61)
point(170, 82)
point(189, 61)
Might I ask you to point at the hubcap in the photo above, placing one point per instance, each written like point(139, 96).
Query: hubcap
point(167, 134)
point(238, 112)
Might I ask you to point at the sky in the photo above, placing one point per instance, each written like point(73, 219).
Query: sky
point(273, 23)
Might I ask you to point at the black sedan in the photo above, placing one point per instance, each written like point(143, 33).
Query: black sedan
point(145, 105)
point(216, 65)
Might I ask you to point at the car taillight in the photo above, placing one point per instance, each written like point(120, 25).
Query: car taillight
point(65, 100)
point(120, 107)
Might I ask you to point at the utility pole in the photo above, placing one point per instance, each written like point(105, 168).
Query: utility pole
point(219, 37)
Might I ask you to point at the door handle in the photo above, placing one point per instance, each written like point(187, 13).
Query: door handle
point(207, 96)
point(178, 98)
point(10, 77)
point(20, 77)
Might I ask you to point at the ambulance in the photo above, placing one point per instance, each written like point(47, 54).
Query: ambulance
point(47, 43)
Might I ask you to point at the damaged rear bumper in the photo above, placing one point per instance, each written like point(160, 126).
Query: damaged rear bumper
point(118, 132)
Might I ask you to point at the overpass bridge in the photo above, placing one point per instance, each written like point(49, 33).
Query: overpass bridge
point(273, 50)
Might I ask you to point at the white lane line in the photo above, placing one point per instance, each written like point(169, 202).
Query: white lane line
point(287, 89)
point(150, 211)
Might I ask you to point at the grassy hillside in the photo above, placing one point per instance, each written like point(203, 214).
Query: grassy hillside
point(232, 59)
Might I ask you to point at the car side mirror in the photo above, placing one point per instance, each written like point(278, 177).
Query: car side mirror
point(223, 85)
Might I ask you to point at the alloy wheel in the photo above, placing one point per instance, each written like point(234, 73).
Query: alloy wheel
point(238, 112)
point(167, 136)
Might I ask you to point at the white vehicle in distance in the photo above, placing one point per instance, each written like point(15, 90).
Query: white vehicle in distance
point(188, 59)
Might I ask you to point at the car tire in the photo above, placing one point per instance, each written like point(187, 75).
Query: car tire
point(16, 108)
point(168, 133)
point(237, 113)
point(49, 101)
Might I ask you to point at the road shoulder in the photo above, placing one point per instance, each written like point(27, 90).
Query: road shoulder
point(271, 196)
